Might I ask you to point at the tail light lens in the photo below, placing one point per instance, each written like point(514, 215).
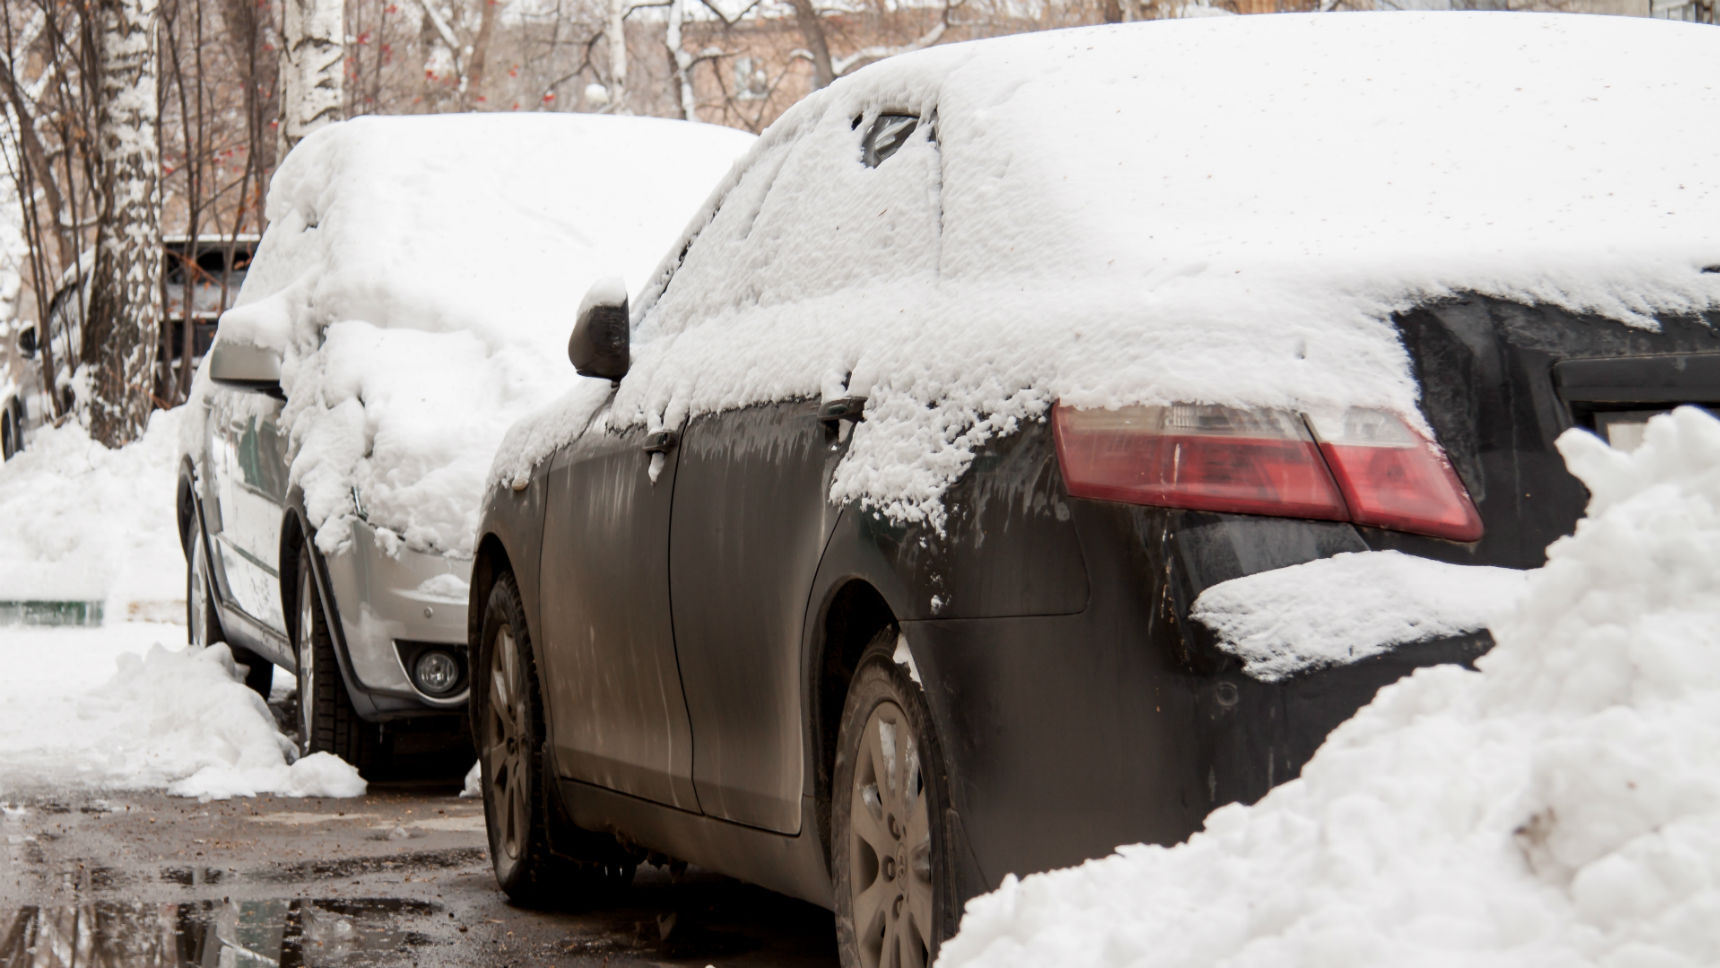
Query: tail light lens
point(1368, 466)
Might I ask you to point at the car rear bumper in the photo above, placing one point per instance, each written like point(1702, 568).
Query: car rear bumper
point(391, 606)
point(1067, 736)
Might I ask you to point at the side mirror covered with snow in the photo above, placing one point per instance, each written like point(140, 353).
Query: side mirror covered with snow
point(245, 367)
point(599, 344)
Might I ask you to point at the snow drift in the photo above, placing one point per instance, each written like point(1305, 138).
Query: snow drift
point(85, 523)
point(1226, 211)
point(420, 276)
point(112, 708)
point(1560, 806)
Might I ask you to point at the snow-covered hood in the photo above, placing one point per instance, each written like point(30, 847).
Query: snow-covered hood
point(1224, 210)
point(420, 275)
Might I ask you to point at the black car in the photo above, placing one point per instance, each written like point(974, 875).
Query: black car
point(685, 647)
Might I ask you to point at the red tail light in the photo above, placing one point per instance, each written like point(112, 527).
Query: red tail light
point(1368, 466)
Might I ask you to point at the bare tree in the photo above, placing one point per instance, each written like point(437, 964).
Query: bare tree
point(313, 65)
point(124, 320)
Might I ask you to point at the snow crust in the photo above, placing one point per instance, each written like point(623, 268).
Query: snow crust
point(1560, 806)
point(420, 276)
point(115, 709)
point(84, 523)
point(1348, 607)
point(1222, 210)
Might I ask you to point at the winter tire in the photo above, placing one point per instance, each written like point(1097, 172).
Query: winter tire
point(327, 721)
point(11, 440)
point(508, 713)
point(889, 837)
point(203, 624)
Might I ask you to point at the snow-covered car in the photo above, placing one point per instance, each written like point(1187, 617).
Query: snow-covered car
point(1040, 442)
point(405, 305)
point(201, 276)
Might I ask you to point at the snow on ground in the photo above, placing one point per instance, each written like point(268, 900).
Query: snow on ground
point(129, 706)
point(1094, 222)
point(84, 523)
point(1348, 607)
point(1558, 807)
point(421, 276)
point(125, 704)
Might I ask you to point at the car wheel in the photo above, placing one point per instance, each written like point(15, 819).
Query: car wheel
point(508, 708)
point(203, 625)
point(888, 830)
point(327, 721)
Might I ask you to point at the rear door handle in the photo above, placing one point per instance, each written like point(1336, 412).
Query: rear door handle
point(661, 441)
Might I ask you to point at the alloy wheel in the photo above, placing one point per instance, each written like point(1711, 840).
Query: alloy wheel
point(507, 743)
point(890, 845)
point(197, 626)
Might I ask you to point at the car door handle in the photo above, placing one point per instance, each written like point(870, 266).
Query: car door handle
point(661, 441)
point(832, 412)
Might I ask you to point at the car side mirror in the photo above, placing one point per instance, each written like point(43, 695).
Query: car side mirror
point(599, 344)
point(27, 341)
point(245, 367)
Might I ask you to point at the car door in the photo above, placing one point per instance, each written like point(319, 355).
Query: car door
point(248, 461)
point(618, 716)
point(751, 513)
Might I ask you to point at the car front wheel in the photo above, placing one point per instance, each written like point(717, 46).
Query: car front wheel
point(888, 828)
point(509, 717)
point(327, 721)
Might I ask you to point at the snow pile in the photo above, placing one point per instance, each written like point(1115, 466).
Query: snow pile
point(1222, 210)
point(1348, 607)
point(113, 708)
point(1559, 807)
point(84, 523)
point(420, 276)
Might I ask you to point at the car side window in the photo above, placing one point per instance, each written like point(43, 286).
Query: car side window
point(886, 136)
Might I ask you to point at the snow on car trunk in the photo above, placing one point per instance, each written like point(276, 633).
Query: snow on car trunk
point(1559, 806)
point(420, 276)
point(1216, 211)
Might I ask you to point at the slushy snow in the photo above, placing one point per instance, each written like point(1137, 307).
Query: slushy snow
point(1560, 806)
point(1223, 210)
point(1348, 607)
point(115, 708)
point(421, 276)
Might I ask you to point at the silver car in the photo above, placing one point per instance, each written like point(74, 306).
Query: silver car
point(375, 639)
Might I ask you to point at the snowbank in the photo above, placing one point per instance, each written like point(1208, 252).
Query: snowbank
point(420, 275)
point(1348, 607)
point(84, 523)
point(113, 708)
point(1223, 210)
point(1560, 806)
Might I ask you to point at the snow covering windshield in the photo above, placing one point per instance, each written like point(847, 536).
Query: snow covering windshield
point(420, 276)
point(1219, 211)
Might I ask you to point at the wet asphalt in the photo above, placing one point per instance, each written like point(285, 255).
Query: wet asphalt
point(400, 876)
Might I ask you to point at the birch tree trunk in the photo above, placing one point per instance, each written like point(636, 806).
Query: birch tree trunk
point(313, 57)
point(681, 61)
point(124, 320)
point(617, 36)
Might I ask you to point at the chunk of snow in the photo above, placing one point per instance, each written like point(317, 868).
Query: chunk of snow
point(1094, 222)
point(419, 275)
point(474, 785)
point(905, 659)
point(1348, 607)
point(1558, 806)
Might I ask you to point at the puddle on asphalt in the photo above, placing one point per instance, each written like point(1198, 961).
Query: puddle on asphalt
point(212, 934)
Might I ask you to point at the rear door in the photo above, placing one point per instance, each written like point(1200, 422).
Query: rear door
point(752, 512)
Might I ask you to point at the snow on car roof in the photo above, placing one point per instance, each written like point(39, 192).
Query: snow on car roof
point(420, 275)
point(1226, 210)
